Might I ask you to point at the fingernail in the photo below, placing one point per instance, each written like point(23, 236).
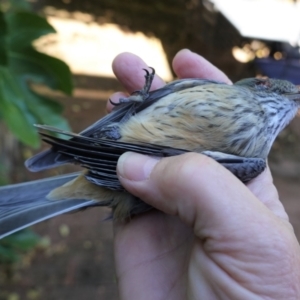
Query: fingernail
point(135, 166)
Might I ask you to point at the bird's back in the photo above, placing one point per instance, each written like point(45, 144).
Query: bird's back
point(213, 117)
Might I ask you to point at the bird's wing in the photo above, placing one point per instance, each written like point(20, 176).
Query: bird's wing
point(100, 156)
point(25, 204)
point(51, 158)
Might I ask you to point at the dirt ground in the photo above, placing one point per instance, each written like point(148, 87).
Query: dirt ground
point(77, 261)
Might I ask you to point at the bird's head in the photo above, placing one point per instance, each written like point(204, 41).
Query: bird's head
point(281, 87)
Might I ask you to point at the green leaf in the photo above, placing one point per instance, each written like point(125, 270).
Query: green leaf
point(21, 108)
point(48, 112)
point(14, 5)
point(3, 32)
point(44, 110)
point(24, 28)
point(17, 243)
point(7, 255)
point(42, 68)
point(20, 65)
point(14, 111)
point(23, 240)
point(3, 175)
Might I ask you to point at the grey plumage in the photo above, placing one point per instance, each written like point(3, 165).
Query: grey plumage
point(236, 125)
point(25, 204)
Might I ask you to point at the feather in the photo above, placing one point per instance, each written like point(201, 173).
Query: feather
point(100, 156)
point(26, 204)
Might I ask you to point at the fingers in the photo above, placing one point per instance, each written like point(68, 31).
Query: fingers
point(187, 64)
point(197, 189)
point(263, 188)
point(128, 68)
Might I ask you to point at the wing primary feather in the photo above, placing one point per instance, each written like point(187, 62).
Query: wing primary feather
point(100, 156)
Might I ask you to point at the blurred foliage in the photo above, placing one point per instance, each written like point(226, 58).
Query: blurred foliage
point(16, 244)
point(20, 107)
point(14, 5)
point(3, 177)
point(21, 65)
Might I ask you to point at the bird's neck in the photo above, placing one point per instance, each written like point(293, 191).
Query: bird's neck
point(279, 112)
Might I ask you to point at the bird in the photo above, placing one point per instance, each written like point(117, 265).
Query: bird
point(235, 125)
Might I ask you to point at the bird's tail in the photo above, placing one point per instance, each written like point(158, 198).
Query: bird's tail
point(45, 160)
point(25, 204)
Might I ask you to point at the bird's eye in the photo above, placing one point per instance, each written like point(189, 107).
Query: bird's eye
point(263, 83)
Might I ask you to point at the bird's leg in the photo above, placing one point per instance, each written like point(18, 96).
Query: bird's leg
point(148, 82)
point(245, 168)
point(140, 95)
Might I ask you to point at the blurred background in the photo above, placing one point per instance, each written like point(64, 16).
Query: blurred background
point(55, 68)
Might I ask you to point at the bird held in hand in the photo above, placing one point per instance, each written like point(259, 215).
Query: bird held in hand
point(234, 124)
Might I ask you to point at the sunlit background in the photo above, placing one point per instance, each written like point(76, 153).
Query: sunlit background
point(89, 48)
point(267, 29)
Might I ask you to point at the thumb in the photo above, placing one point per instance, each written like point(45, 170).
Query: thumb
point(197, 189)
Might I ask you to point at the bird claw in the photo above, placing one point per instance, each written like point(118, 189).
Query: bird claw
point(139, 95)
point(114, 103)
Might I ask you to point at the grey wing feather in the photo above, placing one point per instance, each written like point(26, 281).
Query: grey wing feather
point(50, 158)
point(25, 204)
point(100, 156)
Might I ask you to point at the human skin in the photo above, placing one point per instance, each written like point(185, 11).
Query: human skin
point(214, 237)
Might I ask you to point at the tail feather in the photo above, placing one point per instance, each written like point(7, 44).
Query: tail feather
point(25, 204)
point(44, 160)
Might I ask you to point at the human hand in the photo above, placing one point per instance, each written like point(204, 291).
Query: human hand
point(217, 238)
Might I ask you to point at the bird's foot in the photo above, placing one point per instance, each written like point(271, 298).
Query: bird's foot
point(140, 95)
